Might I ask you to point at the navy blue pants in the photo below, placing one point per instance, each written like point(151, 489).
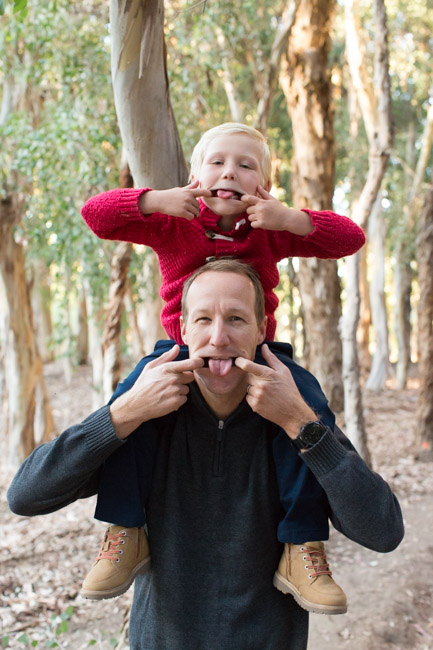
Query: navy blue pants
point(127, 473)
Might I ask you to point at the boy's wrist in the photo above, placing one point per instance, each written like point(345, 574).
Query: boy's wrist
point(148, 201)
point(298, 222)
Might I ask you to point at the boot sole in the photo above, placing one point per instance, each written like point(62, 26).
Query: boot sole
point(143, 567)
point(286, 587)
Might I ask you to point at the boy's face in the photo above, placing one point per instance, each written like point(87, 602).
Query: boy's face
point(231, 167)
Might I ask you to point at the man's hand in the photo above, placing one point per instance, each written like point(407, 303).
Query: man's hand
point(265, 211)
point(273, 394)
point(177, 202)
point(161, 388)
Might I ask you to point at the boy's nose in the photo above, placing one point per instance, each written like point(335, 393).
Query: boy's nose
point(229, 172)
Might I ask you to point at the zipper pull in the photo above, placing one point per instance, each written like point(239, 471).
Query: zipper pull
point(220, 430)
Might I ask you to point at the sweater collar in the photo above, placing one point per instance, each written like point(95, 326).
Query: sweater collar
point(209, 220)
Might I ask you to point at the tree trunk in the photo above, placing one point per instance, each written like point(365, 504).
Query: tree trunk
point(111, 345)
point(29, 414)
point(233, 98)
point(41, 308)
point(306, 84)
point(141, 94)
point(403, 289)
point(148, 279)
point(146, 121)
point(278, 48)
point(375, 105)
point(83, 329)
point(95, 313)
point(410, 210)
point(355, 425)
point(363, 334)
point(380, 364)
point(136, 342)
point(424, 425)
point(111, 337)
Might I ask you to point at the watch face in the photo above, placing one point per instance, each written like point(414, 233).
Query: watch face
point(311, 433)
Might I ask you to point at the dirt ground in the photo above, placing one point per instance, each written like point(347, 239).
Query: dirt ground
point(43, 560)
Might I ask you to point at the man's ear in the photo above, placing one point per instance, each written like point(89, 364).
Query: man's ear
point(183, 329)
point(262, 330)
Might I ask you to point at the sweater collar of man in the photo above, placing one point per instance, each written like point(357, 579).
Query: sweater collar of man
point(209, 220)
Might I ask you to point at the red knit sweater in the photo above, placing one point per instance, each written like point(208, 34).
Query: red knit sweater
point(183, 246)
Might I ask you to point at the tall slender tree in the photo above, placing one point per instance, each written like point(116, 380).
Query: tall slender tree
point(305, 79)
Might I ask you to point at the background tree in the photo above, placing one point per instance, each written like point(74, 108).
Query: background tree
point(425, 324)
point(306, 82)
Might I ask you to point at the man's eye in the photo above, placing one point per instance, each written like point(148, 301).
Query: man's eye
point(236, 318)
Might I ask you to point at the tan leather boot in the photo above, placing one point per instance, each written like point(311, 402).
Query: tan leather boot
point(304, 572)
point(124, 553)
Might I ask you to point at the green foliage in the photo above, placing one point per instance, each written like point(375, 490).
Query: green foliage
point(19, 7)
point(60, 143)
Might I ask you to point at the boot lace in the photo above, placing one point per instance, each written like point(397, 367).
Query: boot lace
point(110, 546)
point(316, 560)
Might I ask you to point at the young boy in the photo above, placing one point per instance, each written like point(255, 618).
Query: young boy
point(225, 211)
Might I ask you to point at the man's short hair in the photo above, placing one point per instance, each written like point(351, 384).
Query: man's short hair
point(229, 265)
point(199, 150)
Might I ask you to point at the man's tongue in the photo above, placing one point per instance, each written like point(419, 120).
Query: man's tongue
point(225, 194)
point(220, 367)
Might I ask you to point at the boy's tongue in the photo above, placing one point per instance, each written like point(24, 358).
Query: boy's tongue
point(225, 194)
point(220, 367)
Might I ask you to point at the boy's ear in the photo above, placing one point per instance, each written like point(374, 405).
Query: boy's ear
point(268, 186)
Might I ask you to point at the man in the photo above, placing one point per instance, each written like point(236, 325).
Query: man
point(210, 425)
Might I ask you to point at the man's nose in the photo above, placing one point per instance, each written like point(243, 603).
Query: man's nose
point(219, 334)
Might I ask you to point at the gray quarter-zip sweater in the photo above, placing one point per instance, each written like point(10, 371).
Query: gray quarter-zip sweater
point(212, 515)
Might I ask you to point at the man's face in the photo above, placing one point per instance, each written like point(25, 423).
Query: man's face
point(231, 167)
point(221, 325)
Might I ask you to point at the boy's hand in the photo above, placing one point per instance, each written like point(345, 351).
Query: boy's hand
point(273, 394)
point(161, 388)
point(267, 212)
point(177, 201)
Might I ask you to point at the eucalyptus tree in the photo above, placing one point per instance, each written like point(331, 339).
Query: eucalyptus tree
point(57, 149)
point(424, 421)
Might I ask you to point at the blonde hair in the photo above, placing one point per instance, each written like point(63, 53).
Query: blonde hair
point(199, 150)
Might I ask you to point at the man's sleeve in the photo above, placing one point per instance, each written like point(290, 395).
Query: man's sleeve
point(66, 469)
point(363, 506)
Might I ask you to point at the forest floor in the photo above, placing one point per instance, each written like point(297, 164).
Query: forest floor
point(44, 559)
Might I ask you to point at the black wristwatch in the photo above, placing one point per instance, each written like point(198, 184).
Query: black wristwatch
point(309, 435)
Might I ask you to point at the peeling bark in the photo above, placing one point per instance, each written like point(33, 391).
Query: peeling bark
point(305, 79)
point(425, 325)
point(375, 104)
point(29, 417)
